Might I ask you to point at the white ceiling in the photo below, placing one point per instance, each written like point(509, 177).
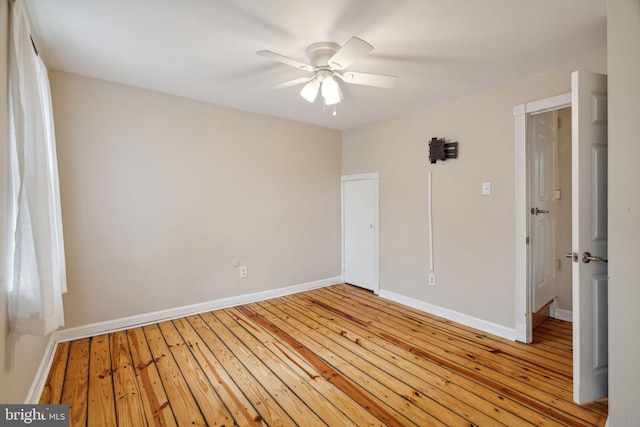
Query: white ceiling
point(205, 49)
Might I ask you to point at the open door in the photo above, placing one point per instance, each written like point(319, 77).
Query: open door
point(544, 147)
point(589, 236)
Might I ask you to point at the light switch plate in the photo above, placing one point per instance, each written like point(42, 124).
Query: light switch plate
point(486, 188)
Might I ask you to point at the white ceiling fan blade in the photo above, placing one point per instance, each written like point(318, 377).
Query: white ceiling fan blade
point(368, 79)
point(285, 60)
point(292, 83)
point(349, 53)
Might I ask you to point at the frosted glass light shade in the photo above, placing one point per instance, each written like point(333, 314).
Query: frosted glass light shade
point(310, 90)
point(331, 91)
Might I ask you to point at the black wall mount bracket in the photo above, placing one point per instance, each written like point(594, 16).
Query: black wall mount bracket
point(441, 150)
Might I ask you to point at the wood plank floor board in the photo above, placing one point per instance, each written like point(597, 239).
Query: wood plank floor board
point(157, 409)
point(214, 410)
point(184, 406)
point(235, 401)
point(538, 357)
point(444, 344)
point(436, 376)
point(318, 394)
point(440, 393)
point(52, 391)
point(564, 403)
point(361, 387)
point(101, 402)
point(543, 342)
point(128, 399)
point(554, 338)
point(234, 373)
point(558, 329)
point(451, 376)
point(599, 407)
point(425, 323)
point(332, 356)
point(287, 385)
point(377, 387)
point(213, 334)
point(76, 382)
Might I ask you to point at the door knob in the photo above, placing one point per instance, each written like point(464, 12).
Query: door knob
point(540, 211)
point(587, 258)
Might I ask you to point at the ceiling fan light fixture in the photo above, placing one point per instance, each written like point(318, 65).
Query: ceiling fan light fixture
point(327, 60)
point(331, 91)
point(310, 91)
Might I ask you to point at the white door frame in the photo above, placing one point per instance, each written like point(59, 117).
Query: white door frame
point(376, 218)
point(522, 115)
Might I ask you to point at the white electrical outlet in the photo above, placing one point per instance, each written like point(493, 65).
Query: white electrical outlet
point(244, 272)
point(432, 279)
point(486, 188)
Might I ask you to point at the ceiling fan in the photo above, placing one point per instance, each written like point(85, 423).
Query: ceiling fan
point(327, 61)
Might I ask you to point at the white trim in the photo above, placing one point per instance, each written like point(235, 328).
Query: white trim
point(549, 104)
point(40, 379)
point(561, 314)
point(521, 114)
point(157, 316)
point(464, 319)
point(374, 176)
point(520, 331)
point(523, 320)
point(360, 176)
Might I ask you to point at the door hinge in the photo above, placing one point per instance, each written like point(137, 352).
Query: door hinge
point(527, 240)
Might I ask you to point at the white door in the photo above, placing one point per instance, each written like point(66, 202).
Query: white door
point(589, 236)
point(360, 198)
point(544, 142)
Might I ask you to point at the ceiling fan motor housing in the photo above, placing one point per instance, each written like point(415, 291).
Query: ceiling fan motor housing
point(320, 53)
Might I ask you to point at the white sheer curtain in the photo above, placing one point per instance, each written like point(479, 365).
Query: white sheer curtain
point(36, 264)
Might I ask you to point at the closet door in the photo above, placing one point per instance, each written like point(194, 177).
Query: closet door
point(360, 232)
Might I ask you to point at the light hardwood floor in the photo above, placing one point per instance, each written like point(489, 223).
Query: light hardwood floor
point(337, 356)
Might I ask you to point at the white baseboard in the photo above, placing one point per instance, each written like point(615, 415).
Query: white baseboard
point(561, 314)
point(40, 379)
point(157, 316)
point(521, 333)
point(464, 319)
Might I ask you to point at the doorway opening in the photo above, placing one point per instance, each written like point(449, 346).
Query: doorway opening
point(549, 151)
point(543, 221)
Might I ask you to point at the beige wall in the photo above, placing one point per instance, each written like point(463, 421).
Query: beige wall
point(161, 193)
point(474, 235)
point(623, 28)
